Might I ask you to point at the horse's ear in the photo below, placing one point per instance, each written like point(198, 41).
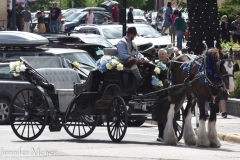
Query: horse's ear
point(221, 54)
point(231, 53)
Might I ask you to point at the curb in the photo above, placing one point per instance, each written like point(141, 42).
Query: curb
point(221, 136)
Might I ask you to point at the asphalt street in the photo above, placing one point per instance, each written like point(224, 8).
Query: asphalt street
point(138, 143)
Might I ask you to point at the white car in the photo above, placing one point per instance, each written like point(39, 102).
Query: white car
point(138, 16)
point(153, 36)
point(113, 33)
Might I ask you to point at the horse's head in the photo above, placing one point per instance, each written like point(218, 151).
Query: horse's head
point(226, 69)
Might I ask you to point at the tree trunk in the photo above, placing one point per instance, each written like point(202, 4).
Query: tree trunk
point(203, 24)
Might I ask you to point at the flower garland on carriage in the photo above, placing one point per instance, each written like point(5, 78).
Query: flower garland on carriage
point(112, 62)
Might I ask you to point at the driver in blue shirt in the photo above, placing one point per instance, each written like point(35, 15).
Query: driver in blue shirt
point(129, 54)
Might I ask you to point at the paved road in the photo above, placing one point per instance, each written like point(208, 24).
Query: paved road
point(139, 143)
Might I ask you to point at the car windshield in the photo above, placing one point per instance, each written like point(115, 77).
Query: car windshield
point(97, 40)
point(137, 13)
point(75, 17)
point(81, 57)
point(147, 32)
point(112, 33)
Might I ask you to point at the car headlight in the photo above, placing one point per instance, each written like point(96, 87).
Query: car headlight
point(170, 46)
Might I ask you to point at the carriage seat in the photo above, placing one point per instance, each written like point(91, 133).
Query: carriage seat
point(114, 52)
point(63, 80)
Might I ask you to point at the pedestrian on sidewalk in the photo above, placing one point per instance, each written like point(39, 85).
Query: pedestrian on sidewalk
point(105, 20)
point(26, 14)
point(167, 18)
point(130, 15)
point(18, 19)
point(40, 16)
point(225, 29)
point(223, 103)
point(172, 28)
point(55, 19)
point(90, 17)
point(115, 13)
point(9, 17)
point(235, 27)
point(180, 27)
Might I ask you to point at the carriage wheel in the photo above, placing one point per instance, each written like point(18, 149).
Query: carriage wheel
point(28, 114)
point(178, 124)
point(117, 119)
point(79, 126)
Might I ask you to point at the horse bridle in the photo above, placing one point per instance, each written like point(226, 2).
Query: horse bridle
point(221, 86)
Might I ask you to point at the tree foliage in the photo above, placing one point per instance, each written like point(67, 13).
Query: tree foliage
point(231, 8)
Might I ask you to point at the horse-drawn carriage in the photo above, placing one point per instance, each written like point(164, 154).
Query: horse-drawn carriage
point(61, 99)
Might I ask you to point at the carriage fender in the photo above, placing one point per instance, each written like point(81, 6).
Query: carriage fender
point(48, 101)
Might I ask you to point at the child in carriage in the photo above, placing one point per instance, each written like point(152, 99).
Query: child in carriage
point(128, 53)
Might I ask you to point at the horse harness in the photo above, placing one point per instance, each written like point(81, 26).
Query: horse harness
point(203, 71)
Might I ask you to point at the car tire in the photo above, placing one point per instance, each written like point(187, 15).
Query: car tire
point(4, 111)
point(135, 123)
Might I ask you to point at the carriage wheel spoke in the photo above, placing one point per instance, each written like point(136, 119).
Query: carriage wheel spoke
point(74, 128)
point(33, 129)
point(40, 121)
point(24, 109)
point(19, 125)
point(24, 98)
point(84, 128)
point(86, 122)
point(24, 128)
point(79, 129)
point(15, 106)
point(113, 127)
point(28, 129)
point(36, 125)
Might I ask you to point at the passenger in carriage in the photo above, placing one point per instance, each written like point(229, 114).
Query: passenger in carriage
point(158, 109)
point(128, 53)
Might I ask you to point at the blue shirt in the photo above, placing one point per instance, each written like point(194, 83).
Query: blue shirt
point(123, 53)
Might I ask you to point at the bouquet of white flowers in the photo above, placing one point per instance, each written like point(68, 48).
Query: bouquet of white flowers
point(17, 67)
point(109, 63)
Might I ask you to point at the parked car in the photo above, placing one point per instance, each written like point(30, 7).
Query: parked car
point(14, 44)
point(91, 43)
point(153, 36)
point(80, 18)
point(113, 33)
point(138, 16)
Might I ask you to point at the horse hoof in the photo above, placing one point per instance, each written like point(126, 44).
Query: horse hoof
point(192, 140)
point(170, 141)
point(203, 143)
point(215, 144)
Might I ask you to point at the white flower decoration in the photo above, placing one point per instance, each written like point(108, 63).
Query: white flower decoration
point(18, 69)
point(22, 67)
point(119, 67)
point(108, 66)
point(105, 59)
point(157, 70)
point(16, 74)
point(160, 84)
point(114, 62)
